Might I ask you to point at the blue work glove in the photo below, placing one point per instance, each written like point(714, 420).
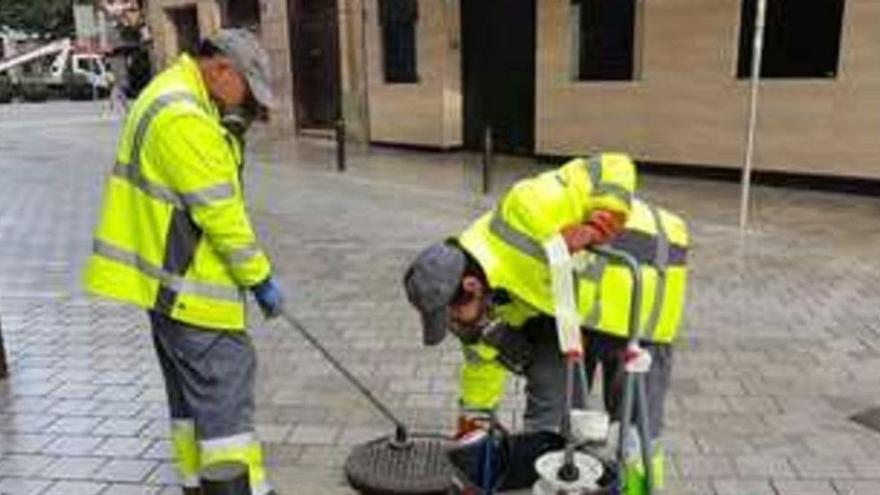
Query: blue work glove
point(269, 297)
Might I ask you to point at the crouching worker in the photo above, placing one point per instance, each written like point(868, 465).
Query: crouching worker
point(490, 287)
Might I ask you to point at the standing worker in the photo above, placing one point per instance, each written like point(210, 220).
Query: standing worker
point(491, 286)
point(174, 238)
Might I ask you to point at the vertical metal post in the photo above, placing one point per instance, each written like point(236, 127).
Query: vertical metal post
point(487, 159)
point(226, 478)
point(4, 370)
point(365, 83)
point(757, 52)
point(340, 145)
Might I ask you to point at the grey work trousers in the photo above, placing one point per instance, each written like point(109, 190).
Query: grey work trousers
point(546, 376)
point(209, 376)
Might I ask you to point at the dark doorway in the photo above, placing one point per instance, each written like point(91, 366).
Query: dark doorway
point(186, 27)
point(498, 70)
point(315, 53)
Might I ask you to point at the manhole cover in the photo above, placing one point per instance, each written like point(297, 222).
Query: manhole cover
point(377, 468)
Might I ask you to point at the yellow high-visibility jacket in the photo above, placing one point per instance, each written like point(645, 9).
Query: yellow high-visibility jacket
point(508, 245)
point(174, 235)
point(659, 240)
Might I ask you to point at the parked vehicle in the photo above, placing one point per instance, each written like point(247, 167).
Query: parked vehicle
point(72, 72)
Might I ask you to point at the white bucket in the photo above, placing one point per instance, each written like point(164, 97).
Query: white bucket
point(590, 425)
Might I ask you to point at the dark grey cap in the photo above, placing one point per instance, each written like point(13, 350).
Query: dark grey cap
point(249, 57)
point(431, 282)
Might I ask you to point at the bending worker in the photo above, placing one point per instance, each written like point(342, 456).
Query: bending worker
point(496, 272)
point(175, 239)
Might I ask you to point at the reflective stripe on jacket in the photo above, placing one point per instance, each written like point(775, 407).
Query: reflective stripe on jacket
point(659, 241)
point(174, 235)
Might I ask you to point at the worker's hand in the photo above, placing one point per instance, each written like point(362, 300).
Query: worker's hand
point(472, 425)
point(269, 297)
point(607, 225)
point(579, 236)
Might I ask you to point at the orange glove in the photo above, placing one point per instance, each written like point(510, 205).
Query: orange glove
point(579, 236)
point(607, 224)
point(602, 227)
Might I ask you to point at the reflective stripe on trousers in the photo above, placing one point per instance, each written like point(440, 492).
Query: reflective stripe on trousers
point(186, 451)
point(244, 448)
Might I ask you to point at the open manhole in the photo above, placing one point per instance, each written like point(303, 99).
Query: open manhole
point(869, 418)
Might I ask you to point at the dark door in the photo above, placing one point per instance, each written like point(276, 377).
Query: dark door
point(498, 67)
point(315, 53)
point(186, 27)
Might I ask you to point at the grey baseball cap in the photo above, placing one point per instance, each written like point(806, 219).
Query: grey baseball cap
point(249, 57)
point(431, 282)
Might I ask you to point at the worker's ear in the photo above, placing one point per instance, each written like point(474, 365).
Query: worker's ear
point(472, 284)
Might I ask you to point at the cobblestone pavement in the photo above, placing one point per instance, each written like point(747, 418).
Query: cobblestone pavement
point(782, 341)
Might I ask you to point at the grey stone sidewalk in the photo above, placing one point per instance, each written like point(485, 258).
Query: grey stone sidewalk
point(782, 341)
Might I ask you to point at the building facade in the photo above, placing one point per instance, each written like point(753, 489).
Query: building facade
point(666, 80)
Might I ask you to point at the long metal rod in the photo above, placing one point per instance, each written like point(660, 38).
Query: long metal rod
point(645, 433)
point(570, 377)
point(382, 408)
point(757, 53)
point(630, 387)
point(4, 370)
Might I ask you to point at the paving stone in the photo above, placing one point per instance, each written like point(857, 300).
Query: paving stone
point(22, 486)
point(159, 449)
point(272, 433)
point(76, 488)
point(25, 423)
point(803, 487)
point(742, 487)
point(126, 470)
point(164, 474)
point(313, 434)
point(705, 466)
point(74, 391)
point(121, 427)
point(23, 443)
point(755, 466)
point(118, 392)
point(74, 425)
point(125, 447)
point(132, 489)
point(126, 409)
point(814, 466)
point(72, 445)
point(857, 487)
point(74, 468)
point(73, 407)
point(23, 464)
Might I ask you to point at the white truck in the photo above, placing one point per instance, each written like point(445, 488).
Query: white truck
point(49, 63)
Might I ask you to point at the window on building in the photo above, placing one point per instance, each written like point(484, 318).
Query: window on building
point(242, 14)
point(604, 39)
point(398, 20)
point(801, 38)
point(186, 27)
